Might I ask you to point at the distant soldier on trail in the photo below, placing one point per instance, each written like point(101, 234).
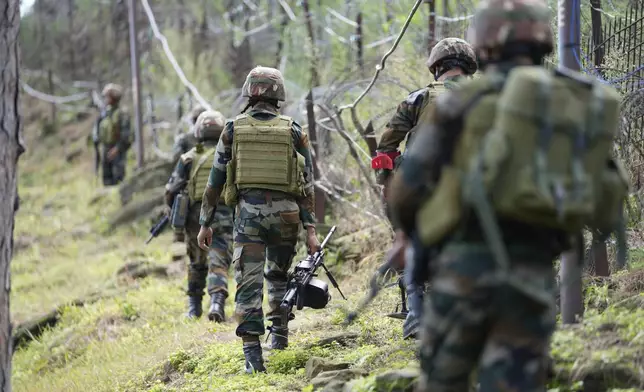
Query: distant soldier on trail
point(263, 167)
point(113, 136)
point(207, 268)
point(184, 143)
point(451, 61)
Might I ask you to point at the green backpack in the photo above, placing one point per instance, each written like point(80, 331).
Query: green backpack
point(548, 159)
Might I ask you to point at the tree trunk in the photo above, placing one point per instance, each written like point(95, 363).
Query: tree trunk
point(10, 150)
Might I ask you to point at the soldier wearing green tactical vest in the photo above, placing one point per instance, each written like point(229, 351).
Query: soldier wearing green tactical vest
point(207, 269)
point(451, 61)
point(184, 143)
point(501, 174)
point(114, 135)
point(263, 167)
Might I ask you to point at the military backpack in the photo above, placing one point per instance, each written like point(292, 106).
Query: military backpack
point(545, 158)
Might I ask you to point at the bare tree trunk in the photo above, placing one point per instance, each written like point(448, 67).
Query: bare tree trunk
point(596, 21)
point(70, 20)
point(280, 41)
point(431, 25)
point(315, 78)
point(10, 150)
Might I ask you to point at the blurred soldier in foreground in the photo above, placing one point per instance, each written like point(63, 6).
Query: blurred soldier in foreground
point(451, 61)
point(112, 132)
point(209, 266)
point(263, 167)
point(502, 173)
point(184, 143)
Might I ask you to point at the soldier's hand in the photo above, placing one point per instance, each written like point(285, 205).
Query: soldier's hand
point(312, 240)
point(112, 153)
point(204, 238)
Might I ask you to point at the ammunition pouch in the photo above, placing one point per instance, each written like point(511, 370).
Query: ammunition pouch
point(315, 294)
point(230, 192)
point(179, 213)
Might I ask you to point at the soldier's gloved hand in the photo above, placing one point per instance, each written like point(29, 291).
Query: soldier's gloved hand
point(312, 240)
point(204, 238)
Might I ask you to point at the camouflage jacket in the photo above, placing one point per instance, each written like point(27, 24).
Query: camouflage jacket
point(125, 132)
point(183, 143)
point(408, 113)
point(223, 155)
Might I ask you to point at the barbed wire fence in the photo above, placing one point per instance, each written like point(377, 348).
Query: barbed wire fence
point(347, 112)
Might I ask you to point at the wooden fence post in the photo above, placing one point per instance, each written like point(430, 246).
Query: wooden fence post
point(319, 195)
point(359, 41)
point(431, 25)
point(50, 81)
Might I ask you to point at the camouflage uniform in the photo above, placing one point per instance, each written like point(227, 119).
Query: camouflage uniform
point(184, 143)
point(113, 127)
point(472, 317)
point(207, 268)
point(266, 224)
point(448, 54)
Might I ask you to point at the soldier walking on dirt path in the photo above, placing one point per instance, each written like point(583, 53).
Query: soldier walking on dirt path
point(263, 167)
point(207, 268)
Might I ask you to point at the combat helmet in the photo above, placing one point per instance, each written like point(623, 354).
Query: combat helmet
point(499, 25)
point(264, 82)
point(452, 49)
point(195, 112)
point(209, 125)
point(113, 91)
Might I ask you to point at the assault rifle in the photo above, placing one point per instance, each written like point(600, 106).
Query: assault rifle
point(303, 289)
point(177, 213)
point(158, 228)
point(393, 261)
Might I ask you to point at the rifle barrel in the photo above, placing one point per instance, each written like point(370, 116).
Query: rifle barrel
point(328, 237)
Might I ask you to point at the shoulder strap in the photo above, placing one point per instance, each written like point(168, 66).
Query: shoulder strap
point(456, 122)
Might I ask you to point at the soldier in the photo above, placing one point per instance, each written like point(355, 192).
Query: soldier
point(264, 161)
point(182, 145)
point(187, 141)
point(451, 61)
point(492, 300)
point(205, 266)
point(113, 133)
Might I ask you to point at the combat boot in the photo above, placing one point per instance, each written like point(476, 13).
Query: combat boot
point(194, 307)
point(217, 304)
point(253, 353)
point(279, 335)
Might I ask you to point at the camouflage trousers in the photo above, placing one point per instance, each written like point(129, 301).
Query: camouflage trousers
point(266, 232)
point(209, 268)
point(114, 170)
point(470, 321)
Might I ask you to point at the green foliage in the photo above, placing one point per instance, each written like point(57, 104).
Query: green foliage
point(288, 361)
